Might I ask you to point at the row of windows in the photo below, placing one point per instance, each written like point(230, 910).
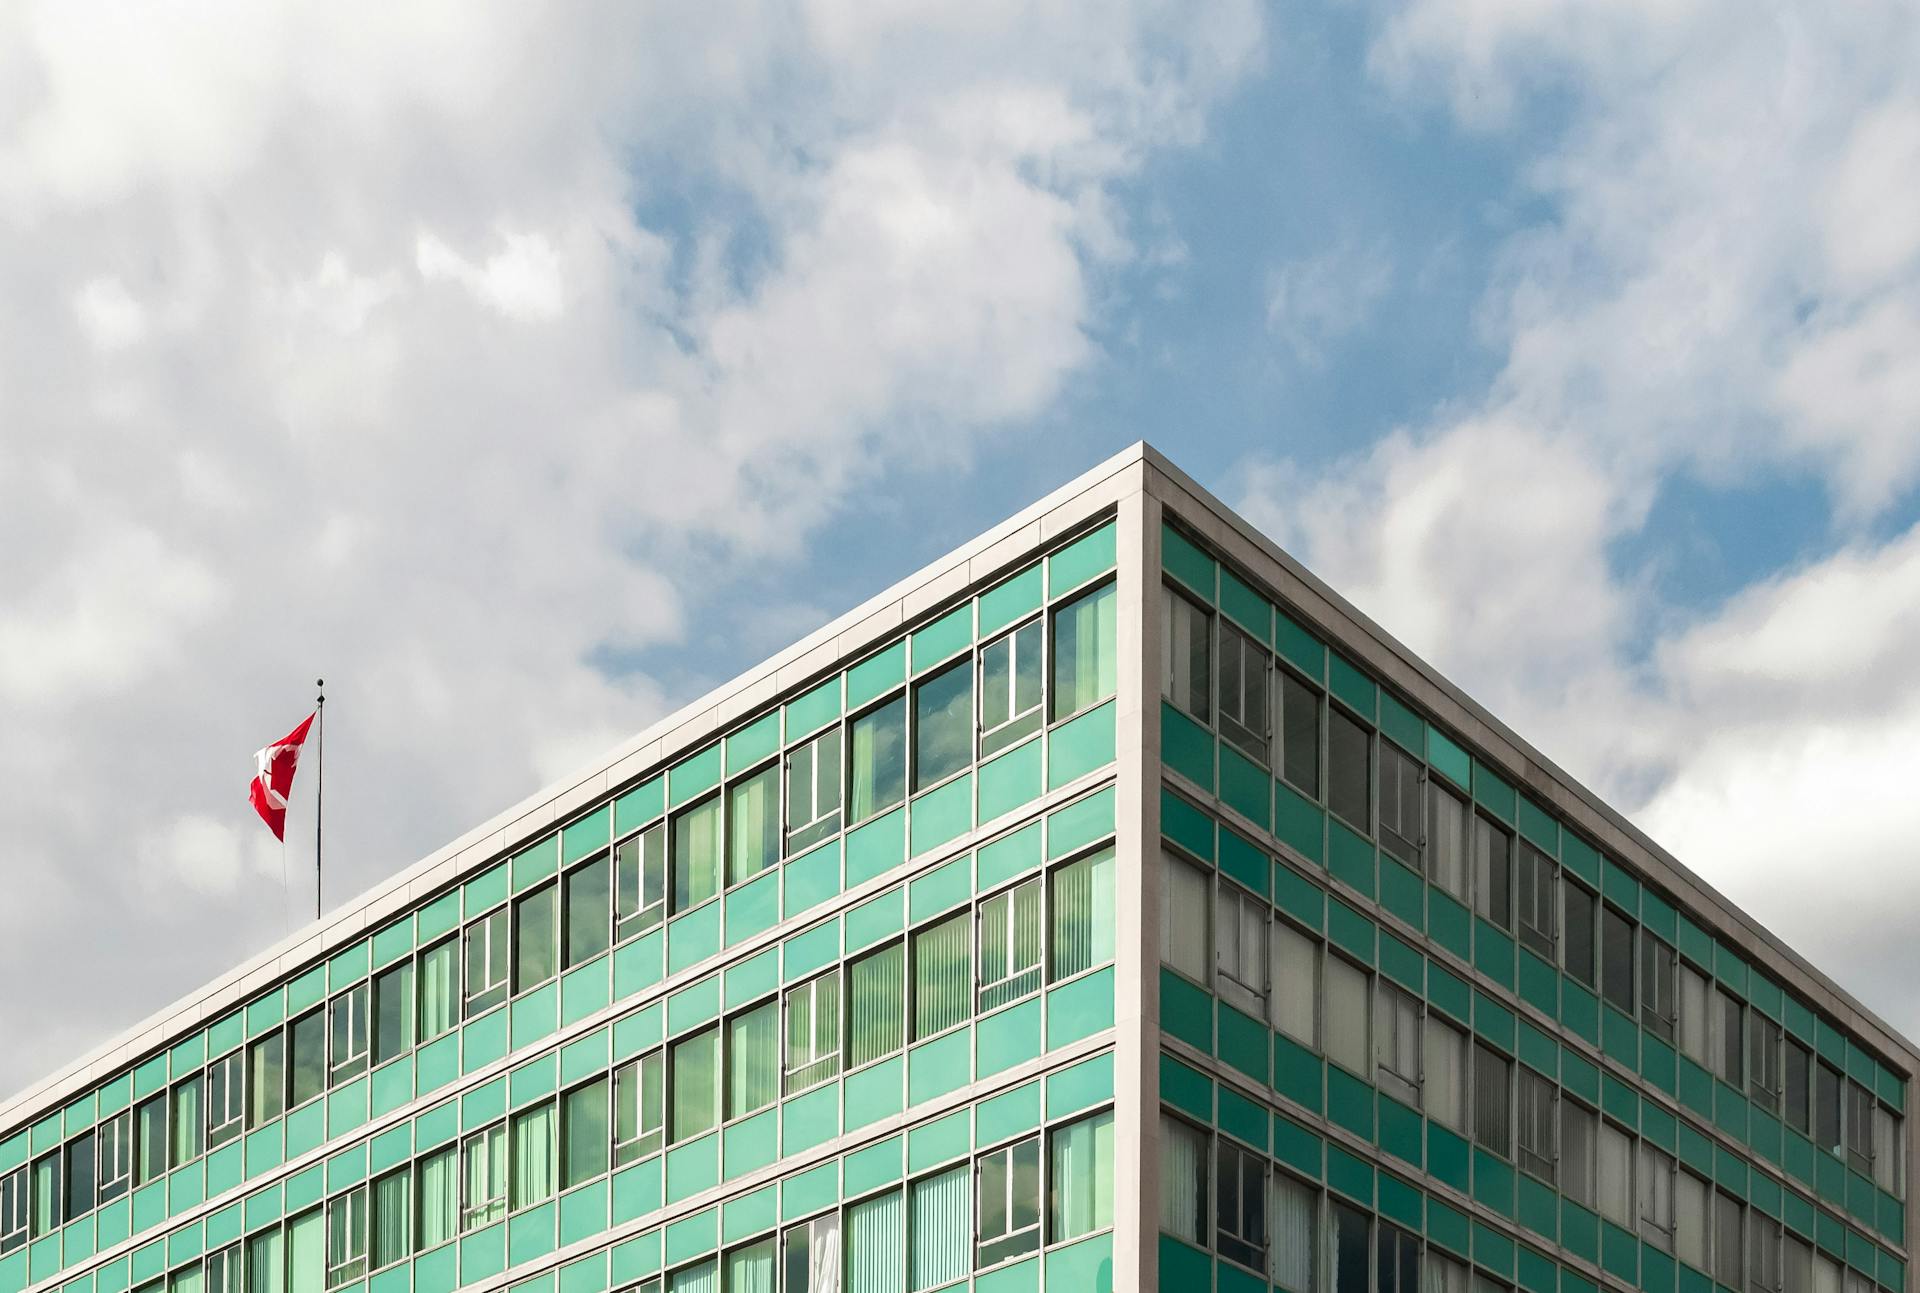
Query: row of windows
point(1046, 1188)
point(1216, 1193)
point(1510, 883)
point(1388, 1037)
point(978, 959)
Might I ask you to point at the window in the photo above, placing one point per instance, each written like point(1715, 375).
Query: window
point(1493, 872)
point(1444, 1085)
point(1579, 905)
point(1447, 842)
point(1396, 1038)
point(536, 1153)
point(391, 1237)
point(1534, 899)
point(1349, 1250)
point(1183, 1179)
point(392, 1012)
point(1763, 1252)
point(943, 975)
point(1402, 804)
point(350, 1033)
point(266, 1262)
point(150, 1127)
point(876, 1005)
point(1491, 1081)
point(439, 990)
point(1009, 1202)
point(942, 725)
point(1350, 770)
point(1346, 1017)
point(1763, 1061)
point(1082, 935)
point(694, 1074)
point(639, 1108)
point(306, 1245)
point(1244, 669)
point(1294, 1230)
point(1183, 917)
point(115, 1156)
point(1729, 1036)
point(813, 790)
point(14, 1198)
point(1577, 1131)
point(1796, 1268)
point(1886, 1149)
point(226, 1098)
point(753, 1059)
point(223, 1270)
point(1799, 1084)
point(1695, 1023)
point(1616, 1174)
point(1083, 651)
point(1396, 1260)
point(438, 1196)
point(1300, 735)
point(695, 837)
point(1616, 959)
point(813, 1031)
point(640, 881)
point(1186, 680)
point(487, 950)
point(79, 1176)
point(1534, 1099)
point(1010, 945)
point(876, 1243)
point(878, 778)
point(1656, 1196)
point(940, 1226)
point(1011, 688)
point(1690, 1229)
point(189, 1131)
point(1860, 1129)
point(1656, 985)
point(584, 1133)
point(483, 1159)
point(1240, 1179)
point(347, 1238)
point(810, 1256)
point(1443, 1274)
point(1080, 1179)
point(266, 1080)
point(1726, 1239)
point(753, 824)
point(1241, 948)
point(47, 1196)
point(1296, 983)
point(1826, 1107)
point(589, 912)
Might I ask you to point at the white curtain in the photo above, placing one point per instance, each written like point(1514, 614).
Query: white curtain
point(1444, 1088)
point(704, 1278)
point(1616, 1176)
point(1083, 651)
point(942, 1228)
point(1290, 1258)
point(1347, 1014)
point(266, 1263)
point(1183, 917)
point(533, 1156)
point(1081, 1174)
point(753, 1053)
point(750, 1269)
point(1690, 1220)
point(1183, 1180)
point(1442, 1275)
point(823, 1247)
point(1296, 983)
point(1446, 847)
point(1693, 1015)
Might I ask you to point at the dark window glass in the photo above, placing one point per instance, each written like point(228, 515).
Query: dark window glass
point(877, 764)
point(1733, 1037)
point(586, 1141)
point(1401, 802)
point(1243, 674)
point(1300, 735)
point(1799, 1078)
point(640, 865)
point(1656, 985)
point(1616, 959)
point(1349, 1249)
point(306, 1058)
point(943, 725)
point(1534, 898)
point(1241, 1179)
point(1396, 1261)
point(392, 1012)
point(1580, 904)
point(80, 1176)
point(1826, 1108)
point(1763, 1061)
point(1349, 770)
point(1491, 1082)
point(589, 911)
point(1493, 872)
point(534, 938)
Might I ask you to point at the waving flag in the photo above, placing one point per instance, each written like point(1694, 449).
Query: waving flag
point(271, 784)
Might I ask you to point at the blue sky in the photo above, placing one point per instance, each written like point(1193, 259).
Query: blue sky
point(528, 373)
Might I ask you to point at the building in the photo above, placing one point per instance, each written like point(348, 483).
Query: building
point(1108, 906)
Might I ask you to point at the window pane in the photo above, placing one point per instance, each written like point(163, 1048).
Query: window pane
point(1083, 914)
point(1183, 917)
point(696, 1085)
point(392, 1218)
point(1010, 688)
point(1730, 1054)
point(306, 1059)
point(350, 1034)
point(1300, 735)
point(1080, 1182)
point(750, 1269)
point(1296, 983)
point(1402, 805)
point(639, 1108)
point(1346, 1016)
point(1447, 842)
point(1491, 1082)
point(79, 1173)
point(1690, 1220)
point(583, 1117)
point(1577, 1130)
point(877, 779)
point(1009, 1203)
point(1493, 861)
point(943, 725)
point(1010, 945)
point(753, 825)
point(753, 1059)
point(696, 854)
point(1083, 651)
point(1295, 1225)
point(813, 1031)
point(1444, 1085)
point(876, 1006)
point(1349, 770)
point(1396, 1044)
point(439, 990)
point(1616, 1175)
point(484, 1167)
point(1579, 905)
point(1244, 667)
point(1534, 897)
point(1183, 1179)
point(941, 1228)
point(266, 1080)
point(813, 790)
point(48, 1198)
point(1241, 1188)
point(536, 1150)
point(535, 921)
point(943, 975)
point(486, 952)
point(1348, 1250)
point(189, 1129)
point(439, 1196)
point(151, 1131)
point(1184, 678)
point(876, 1245)
point(1656, 985)
point(639, 882)
point(393, 1012)
point(1240, 929)
point(1799, 1084)
point(1616, 959)
point(266, 1263)
point(589, 911)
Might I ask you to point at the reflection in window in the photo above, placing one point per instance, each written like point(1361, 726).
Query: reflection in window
point(813, 791)
point(1083, 651)
point(1009, 1205)
point(1011, 688)
point(877, 777)
point(942, 725)
point(640, 882)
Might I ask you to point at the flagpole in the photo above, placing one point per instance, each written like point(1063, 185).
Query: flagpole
point(319, 792)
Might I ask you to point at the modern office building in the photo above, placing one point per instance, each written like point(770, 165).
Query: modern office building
point(1108, 906)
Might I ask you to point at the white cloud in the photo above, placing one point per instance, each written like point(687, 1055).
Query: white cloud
point(1319, 299)
point(522, 280)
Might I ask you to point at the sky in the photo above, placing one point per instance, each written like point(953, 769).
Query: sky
point(528, 370)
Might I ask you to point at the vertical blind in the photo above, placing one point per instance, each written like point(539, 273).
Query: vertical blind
point(1183, 917)
point(696, 854)
point(942, 975)
point(813, 1031)
point(942, 1228)
point(876, 1241)
point(1083, 651)
point(306, 1254)
point(1083, 914)
point(750, 1269)
point(877, 1014)
point(1183, 1179)
point(753, 825)
point(753, 1044)
point(438, 1200)
point(1010, 945)
point(1080, 1173)
point(696, 1084)
point(533, 1155)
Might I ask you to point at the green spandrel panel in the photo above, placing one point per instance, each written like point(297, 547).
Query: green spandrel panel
point(488, 889)
point(389, 945)
point(638, 806)
point(811, 951)
point(943, 639)
point(1449, 759)
point(1081, 560)
point(876, 675)
point(1010, 600)
point(809, 713)
point(693, 776)
point(1245, 607)
point(1351, 684)
point(587, 836)
point(1184, 560)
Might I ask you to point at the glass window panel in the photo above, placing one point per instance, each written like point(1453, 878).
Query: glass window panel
point(813, 790)
point(1396, 1043)
point(1183, 917)
point(588, 1139)
point(1727, 1254)
point(392, 1235)
point(640, 882)
point(1082, 914)
point(226, 1097)
point(753, 824)
point(1346, 1016)
point(1616, 959)
point(1535, 900)
point(79, 1176)
point(1240, 946)
point(1493, 872)
point(438, 1191)
point(1799, 1084)
point(1655, 1182)
point(1009, 1202)
point(639, 1108)
point(941, 1229)
point(347, 1238)
point(1492, 1082)
point(1826, 1108)
point(813, 1031)
point(1350, 770)
point(942, 725)
point(1763, 1251)
point(223, 1270)
point(1011, 688)
point(695, 1067)
point(1616, 1175)
point(1296, 983)
point(189, 1127)
point(1578, 1127)
point(266, 1263)
point(876, 1245)
point(1447, 842)
point(487, 963)
point(1010, 945)
point(1763, 1061)
point(1657, 985)
point(1693, 1007)
point(1184, 638)
point(150, 1157)
point(1444, 1082)
point(1293, 1233)
point(753, 1059)
point(876, 1005)
point(1240, 1181)
point(1300, 735)
point(393, 1000)
point(1348, 1252)
point(877, 775)
point(115, 1155)
point(589, 921)
point(1244, 671)
point(439, 981)
point(1579, 905)
point(1080, 1177)
point(483, 1157)
point(696, 854)
point(1690, 1235)
point(1730, 1037)
point(307, 1253)
point(943, 975)
point(350, 1035)
point(266, 1080)
point(1083, 651)
point(536, 1152)
point(1183, 1179)
point(1402, 804)
point(306, 1058)
point(750, 1268)
point(536, 937)
point(48, 1198)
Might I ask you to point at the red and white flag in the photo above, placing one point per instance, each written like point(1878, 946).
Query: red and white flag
point(268, 790)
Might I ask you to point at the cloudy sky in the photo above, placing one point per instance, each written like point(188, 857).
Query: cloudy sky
point(527, 370)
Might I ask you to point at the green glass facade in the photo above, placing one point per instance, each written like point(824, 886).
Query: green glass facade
point(1079, 914)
